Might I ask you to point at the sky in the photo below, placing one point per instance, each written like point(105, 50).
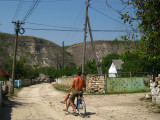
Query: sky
point(69, 15)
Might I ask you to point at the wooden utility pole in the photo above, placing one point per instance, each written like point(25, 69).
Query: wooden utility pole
point(57, 62)
point(17, 30)
point(1, 64)
point(63, 56)
point(84, 43)
point(93, 49)
point(14, 58)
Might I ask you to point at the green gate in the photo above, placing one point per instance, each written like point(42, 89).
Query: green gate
point(131, 84)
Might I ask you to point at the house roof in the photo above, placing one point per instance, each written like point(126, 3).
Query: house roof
point(2, 72)
point(117, 63)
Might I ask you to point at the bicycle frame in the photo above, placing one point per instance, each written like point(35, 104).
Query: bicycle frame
point(80, 106)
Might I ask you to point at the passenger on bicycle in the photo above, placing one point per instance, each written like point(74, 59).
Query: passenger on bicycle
point(77, 85)
point(66, 97)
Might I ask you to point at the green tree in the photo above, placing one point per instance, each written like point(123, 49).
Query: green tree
point(90, 67)
point(22, 69)
point(70, 70)
point(107, 60)
point(147, 12)
point(133, 62)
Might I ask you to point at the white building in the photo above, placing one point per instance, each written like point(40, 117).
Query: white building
point(115, 68)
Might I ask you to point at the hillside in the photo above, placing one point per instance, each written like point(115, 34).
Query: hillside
point(39, 51)
point(102, 49)
point(42, 52)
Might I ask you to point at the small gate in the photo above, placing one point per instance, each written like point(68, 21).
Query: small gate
point(131, 84)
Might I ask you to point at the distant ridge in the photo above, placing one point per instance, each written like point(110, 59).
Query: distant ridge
point(42, 52)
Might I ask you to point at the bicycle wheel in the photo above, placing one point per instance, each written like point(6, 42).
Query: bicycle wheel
point(81, 107)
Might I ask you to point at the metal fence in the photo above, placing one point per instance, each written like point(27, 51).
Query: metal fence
point(126, 84)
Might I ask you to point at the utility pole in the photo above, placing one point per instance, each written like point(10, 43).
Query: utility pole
point(84, 43)
point(63, 56)
point(1, 64)
point(17, 30)
point(57, 61)
point(93, 48)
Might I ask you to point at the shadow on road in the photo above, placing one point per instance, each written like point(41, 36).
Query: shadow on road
point(6, 109)
point(88, 114)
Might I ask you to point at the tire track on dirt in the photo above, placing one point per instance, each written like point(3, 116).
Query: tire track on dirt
point(50, 99)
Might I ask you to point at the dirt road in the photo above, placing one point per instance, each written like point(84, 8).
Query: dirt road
point(42, 102)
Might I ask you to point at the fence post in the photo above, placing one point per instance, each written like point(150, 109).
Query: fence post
point(105, 78)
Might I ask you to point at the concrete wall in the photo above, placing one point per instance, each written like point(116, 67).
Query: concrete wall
point(26, 82)
point(66, 80)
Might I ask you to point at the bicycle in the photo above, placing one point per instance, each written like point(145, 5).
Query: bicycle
point(80, 106)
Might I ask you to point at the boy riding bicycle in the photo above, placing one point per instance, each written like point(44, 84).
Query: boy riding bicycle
point(77, 85)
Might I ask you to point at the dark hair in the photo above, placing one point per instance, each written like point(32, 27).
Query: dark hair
point(79, 73)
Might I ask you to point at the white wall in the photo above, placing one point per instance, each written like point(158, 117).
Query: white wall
point(112, 71)
point(58, 80)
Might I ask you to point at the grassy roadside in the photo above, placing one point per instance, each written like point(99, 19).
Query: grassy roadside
point(154, 108)
point(63, 88)
point(16, 90)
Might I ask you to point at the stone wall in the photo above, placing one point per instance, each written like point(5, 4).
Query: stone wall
point(155, 89)
point(95, 84)
point(26, 82)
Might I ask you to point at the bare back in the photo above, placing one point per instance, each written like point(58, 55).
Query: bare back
point(78, 83)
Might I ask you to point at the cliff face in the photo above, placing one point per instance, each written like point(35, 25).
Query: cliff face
point(42, 52)
point(38, 51)
point(102, 48)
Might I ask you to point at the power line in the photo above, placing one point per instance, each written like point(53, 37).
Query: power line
point(77, 30)
point(18, 9)
point(51, 25)
point(106, 15)
point(32, 0)
point(31, 9)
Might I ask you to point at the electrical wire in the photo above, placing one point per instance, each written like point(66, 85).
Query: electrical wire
point(106, 15)
point(51, 25)
point(76, 30)
point(31, 9)
point(18, 9)
point(32, 0)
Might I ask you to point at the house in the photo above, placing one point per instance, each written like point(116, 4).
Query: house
point(115, 68)
point(3, 73)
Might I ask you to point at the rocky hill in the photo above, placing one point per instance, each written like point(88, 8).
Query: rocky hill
point(42, 52)
point(39, 51)
point(102, 49)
